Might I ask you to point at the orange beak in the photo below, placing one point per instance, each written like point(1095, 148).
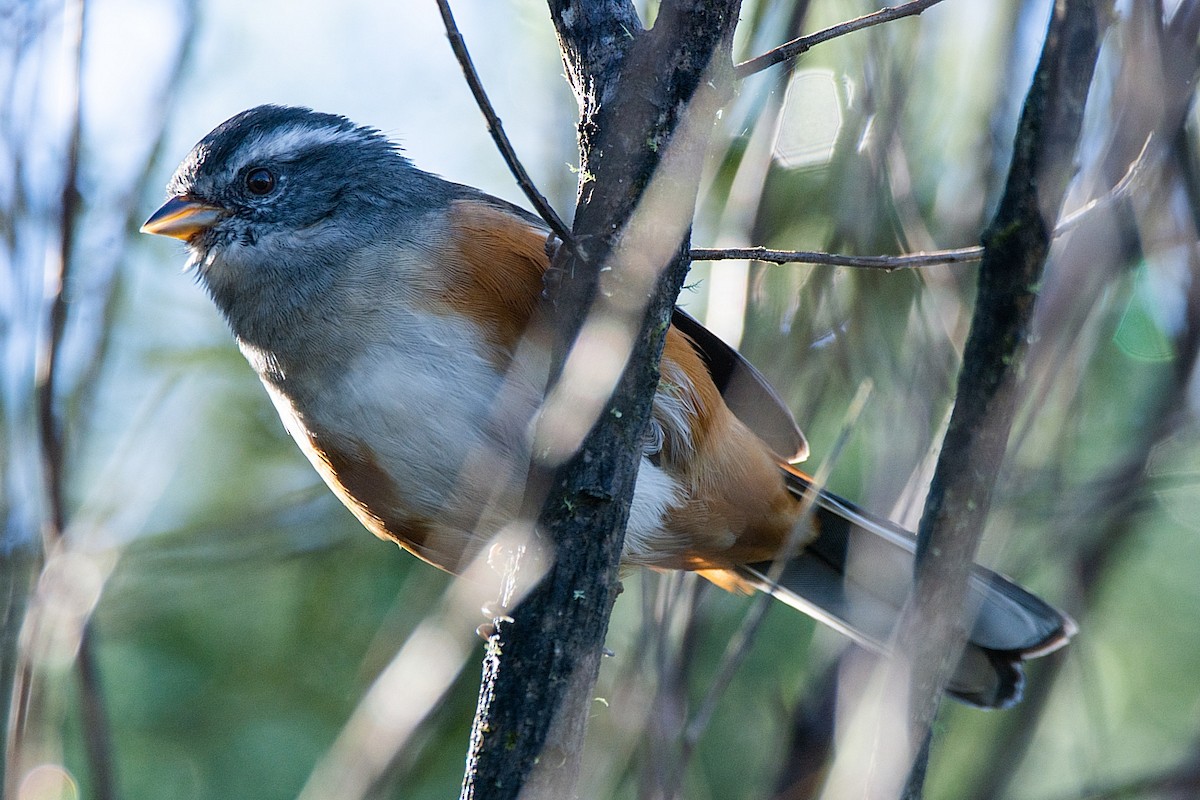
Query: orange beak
point(182, 218)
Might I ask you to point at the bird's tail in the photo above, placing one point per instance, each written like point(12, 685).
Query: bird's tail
point(855, 577)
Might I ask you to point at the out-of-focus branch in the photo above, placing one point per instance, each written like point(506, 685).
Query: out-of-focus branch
point(741, 642)
point(1114, 507)
point(97, 733)
point(20, 492)
point(58, 273)
point(1180, 782)
point(801, 45)
point(17, 568)
point(72, 329)
point(647, 101)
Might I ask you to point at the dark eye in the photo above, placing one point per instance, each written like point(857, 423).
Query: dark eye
point(260, 181)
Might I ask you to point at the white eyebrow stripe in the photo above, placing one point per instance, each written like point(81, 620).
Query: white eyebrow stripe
point(286, 143)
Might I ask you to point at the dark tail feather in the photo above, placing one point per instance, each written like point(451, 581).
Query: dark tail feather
point(855, 577)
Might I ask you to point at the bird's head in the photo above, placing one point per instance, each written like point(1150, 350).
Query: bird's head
point(276, 202)
point(276, 171)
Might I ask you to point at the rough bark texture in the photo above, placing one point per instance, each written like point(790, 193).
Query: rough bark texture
point(638, 91)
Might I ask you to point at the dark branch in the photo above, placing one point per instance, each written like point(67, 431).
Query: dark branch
point(801, 45)
point(637, 90)
point(49, 422)
point(1015, 248)
point(1105, 525)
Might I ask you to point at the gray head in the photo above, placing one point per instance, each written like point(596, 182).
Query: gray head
point(274, 201)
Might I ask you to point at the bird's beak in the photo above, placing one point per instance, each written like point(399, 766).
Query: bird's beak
point(182, 218)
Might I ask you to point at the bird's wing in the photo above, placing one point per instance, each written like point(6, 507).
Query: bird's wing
point(747, 393)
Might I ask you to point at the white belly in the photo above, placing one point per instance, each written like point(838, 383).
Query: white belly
point(449, 430)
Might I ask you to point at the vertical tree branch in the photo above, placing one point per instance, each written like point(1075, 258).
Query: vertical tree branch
point(1107, 524)
point(639, 93)
point(97, 736)
point(1015, 248)
point(69, 310)
point(62, 217)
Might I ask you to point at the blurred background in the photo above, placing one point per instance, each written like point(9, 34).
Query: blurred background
point(191, 614)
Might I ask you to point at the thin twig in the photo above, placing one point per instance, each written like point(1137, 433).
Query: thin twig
point(933, 258)
point(802, 44)
point(962, 255)
point(1121, 189)
point(496, 128)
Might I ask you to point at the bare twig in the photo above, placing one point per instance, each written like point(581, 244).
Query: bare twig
point(935, 258)
point(798, 46)
point(496, 128)
point(1119, 192)
point(962, 255)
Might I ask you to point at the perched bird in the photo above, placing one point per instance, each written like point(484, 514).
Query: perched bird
point(384, 310)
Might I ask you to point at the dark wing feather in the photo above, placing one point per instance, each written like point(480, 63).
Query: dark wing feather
point(747, 393)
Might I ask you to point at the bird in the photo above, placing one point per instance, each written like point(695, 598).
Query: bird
point(386, 311)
